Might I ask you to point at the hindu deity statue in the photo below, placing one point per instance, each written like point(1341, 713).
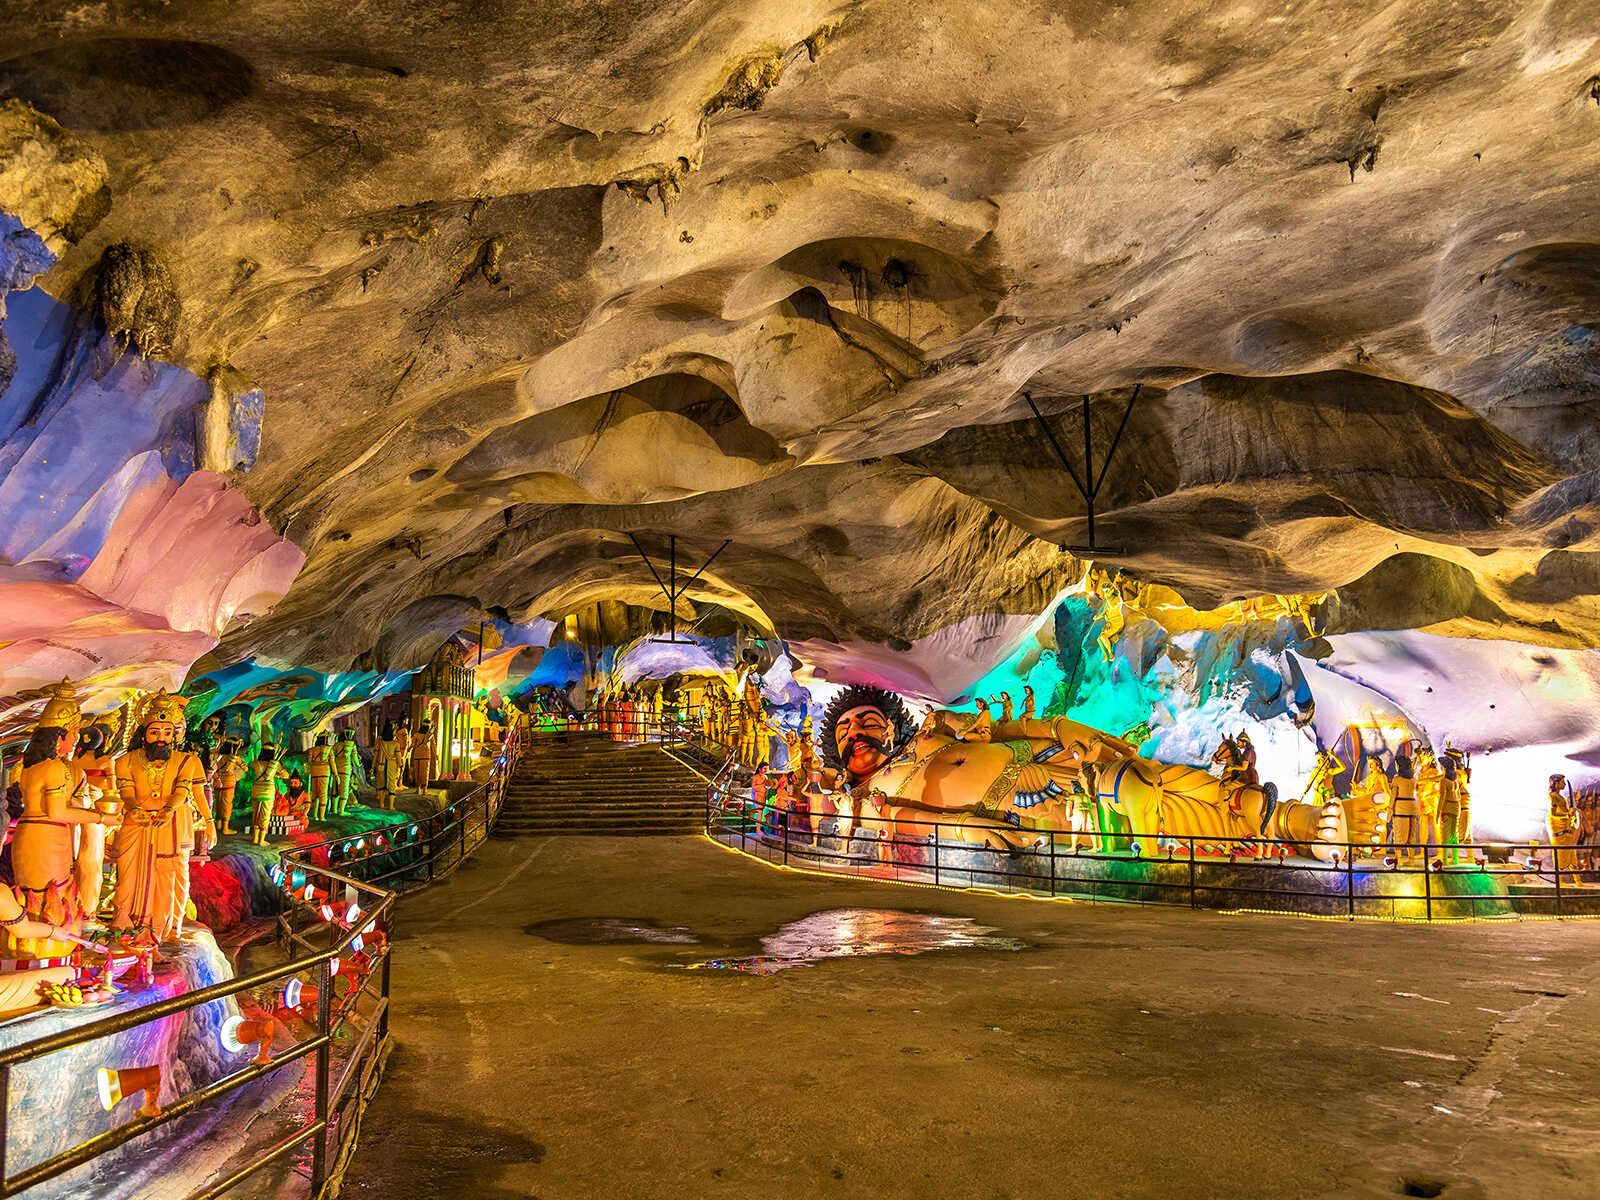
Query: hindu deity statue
point(402, 750)
point(319, 769)
point(388, 762)
point(48, 885)
point(422, 752)
point(346, 765)
point(163, 809)
point(1008, 786)
point(1406, 826)
point(264, 792)
point(1324, 776)
point(98, 764)
point(1451, 768)
point(1237, 757)
point(1562, 825)
point(227, 768)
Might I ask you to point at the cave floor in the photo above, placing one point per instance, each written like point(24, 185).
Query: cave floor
point(1121, 1052)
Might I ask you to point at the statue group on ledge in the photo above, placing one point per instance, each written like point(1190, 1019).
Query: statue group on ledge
point(1009, 779)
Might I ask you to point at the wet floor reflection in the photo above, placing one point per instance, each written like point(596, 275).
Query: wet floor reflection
point(858, 932)
point(605, 931)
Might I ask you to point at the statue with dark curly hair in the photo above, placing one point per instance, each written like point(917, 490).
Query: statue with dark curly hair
point(862, 729)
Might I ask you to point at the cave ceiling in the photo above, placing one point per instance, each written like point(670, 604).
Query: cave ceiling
point(518, 279)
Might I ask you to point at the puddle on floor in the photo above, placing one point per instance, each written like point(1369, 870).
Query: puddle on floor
point(605, 931)
point(857, 933)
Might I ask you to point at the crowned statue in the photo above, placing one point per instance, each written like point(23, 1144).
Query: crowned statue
point(163, 808)
point(1011, 783)
point(46, 841)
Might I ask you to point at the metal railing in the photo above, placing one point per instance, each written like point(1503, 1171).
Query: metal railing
point(1404, 882)
point(336, 919)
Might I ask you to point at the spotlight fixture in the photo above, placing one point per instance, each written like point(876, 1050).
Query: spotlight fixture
point(239, 1032)
point(115, 1083)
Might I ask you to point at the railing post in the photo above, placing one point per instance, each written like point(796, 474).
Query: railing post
point(1555, 861)
point(1427, 889)
point(1052, 862)
point(1194, 900)
point(935, 856)
point(5, 1124)
point(319, 1146)
point(1350, 880)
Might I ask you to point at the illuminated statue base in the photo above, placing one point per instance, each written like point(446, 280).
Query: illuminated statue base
point(53, 1100)
point(1285, 884)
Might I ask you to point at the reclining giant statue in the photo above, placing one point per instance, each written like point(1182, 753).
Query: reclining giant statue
point(1008, 784)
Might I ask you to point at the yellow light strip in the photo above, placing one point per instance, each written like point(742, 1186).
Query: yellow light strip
point(1508, 918)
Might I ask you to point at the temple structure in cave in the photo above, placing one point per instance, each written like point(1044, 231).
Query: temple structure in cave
point(1144, 457)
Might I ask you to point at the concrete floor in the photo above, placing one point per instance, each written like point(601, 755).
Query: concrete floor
point(1124, 1053)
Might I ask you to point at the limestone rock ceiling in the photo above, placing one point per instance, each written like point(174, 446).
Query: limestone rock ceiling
point(515, 278)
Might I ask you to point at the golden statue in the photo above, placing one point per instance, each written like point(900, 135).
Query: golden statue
point(225, 775)
point(264, 791)
point(163, 805)
point(1011, 790)
point(319, 767)
point(43, 849)
point(1562, 825)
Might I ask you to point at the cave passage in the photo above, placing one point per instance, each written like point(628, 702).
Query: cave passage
point(1119, 1053)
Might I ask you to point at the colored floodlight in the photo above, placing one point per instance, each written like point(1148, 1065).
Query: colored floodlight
point(239, 1032)
point(116, 1083)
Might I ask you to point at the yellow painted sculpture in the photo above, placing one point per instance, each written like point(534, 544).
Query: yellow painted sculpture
point(346, 761)
point(422, 757)
point(264, 791)
point(163, 805)
point(100, 793)
point(388, 762)
point(1562, 825)
point(1407, 828)
point(226, 772)
point(1006, 786)
point(319, 769)
point(43, 846)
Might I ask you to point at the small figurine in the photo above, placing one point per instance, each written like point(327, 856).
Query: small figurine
point(319, 765)
point(1328, 768)
point(402, 753)
point(1405, 811)
point(1562, 825)
point(226, 772)
point(1007, 712)
point(1027, 704)
point(346, 761)
point(422, 757)
point(264, 791)
point(1451, 768)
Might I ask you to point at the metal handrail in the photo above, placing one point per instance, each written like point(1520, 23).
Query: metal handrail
point(378, 903)
point(746, 823)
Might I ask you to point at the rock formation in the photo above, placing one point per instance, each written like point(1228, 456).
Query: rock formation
point(493, 290)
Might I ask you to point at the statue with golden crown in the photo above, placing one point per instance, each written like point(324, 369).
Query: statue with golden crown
point(43, 846)
point(163, 804)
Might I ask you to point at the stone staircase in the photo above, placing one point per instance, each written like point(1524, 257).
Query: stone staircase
point(588, 784)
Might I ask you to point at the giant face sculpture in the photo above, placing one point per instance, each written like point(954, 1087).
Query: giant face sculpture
point(862, 730)
point(863, 738)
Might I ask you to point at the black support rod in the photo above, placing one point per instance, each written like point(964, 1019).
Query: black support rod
point(1092, 490)
point(673, 592)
